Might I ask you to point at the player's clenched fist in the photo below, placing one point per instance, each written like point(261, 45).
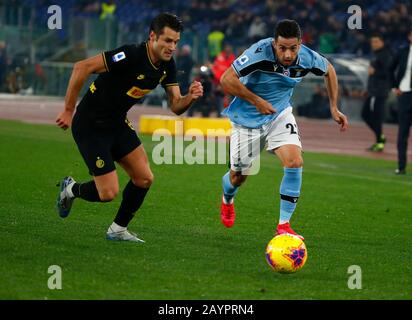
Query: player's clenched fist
point(265, 107)
point(64, 119)
point(340, 118)
point(196, 89)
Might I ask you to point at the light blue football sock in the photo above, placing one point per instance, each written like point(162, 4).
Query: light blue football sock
point(289, 192)
point(229, 190)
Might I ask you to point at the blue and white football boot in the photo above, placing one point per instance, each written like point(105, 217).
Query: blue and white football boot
point(64, 200)
point(123, 235)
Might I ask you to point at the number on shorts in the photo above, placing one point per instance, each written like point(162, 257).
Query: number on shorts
point(292, 127)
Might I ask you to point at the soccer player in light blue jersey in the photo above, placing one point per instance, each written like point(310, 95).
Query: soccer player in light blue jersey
point(262, 81)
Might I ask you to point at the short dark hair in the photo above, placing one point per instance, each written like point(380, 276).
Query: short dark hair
point(288, 29)
point(166, 20)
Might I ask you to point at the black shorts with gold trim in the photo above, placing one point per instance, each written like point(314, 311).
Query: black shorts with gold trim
point(101, 147)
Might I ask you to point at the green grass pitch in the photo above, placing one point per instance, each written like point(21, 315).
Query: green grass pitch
point(352, 211)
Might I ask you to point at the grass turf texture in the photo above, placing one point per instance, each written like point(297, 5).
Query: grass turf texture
point(352, 211)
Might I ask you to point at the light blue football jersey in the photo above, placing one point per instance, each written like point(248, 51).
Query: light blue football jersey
point(259, 71)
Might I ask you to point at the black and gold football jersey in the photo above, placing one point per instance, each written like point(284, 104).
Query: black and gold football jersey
point(130, 76)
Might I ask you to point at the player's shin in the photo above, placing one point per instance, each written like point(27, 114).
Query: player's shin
point(229, 190)
point(289, 193)
point(133, 197)
point(86, 191)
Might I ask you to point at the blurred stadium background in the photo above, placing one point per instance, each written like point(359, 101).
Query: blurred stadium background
point(37, 61)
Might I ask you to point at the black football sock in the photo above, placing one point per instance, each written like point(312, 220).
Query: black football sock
point(86, 191)
point(133, 197)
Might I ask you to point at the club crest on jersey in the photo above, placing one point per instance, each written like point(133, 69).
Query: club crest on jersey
point(286, 72)
point(99, 163)
point(119, 56)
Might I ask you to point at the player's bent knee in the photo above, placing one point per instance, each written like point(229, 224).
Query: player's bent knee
point(144, 182)
point(108, 195)
point(294, 163)
point(237, 179)
point(147, 182)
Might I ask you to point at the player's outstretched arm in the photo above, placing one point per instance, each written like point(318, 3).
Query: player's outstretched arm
point(178, 103)
point(331, 81)
point(80, 73)
point(232, 85)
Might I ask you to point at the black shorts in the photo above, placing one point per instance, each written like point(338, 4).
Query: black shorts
point(101, 147)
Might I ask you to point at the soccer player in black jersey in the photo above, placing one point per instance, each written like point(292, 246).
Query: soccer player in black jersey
point(100, 127)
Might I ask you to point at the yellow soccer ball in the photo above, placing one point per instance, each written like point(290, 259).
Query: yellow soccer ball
point(286, 253)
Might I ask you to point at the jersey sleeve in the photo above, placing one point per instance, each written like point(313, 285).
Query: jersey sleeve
point(250, 60)
point(120, 59)
point(171, 75)
point(319, 65)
